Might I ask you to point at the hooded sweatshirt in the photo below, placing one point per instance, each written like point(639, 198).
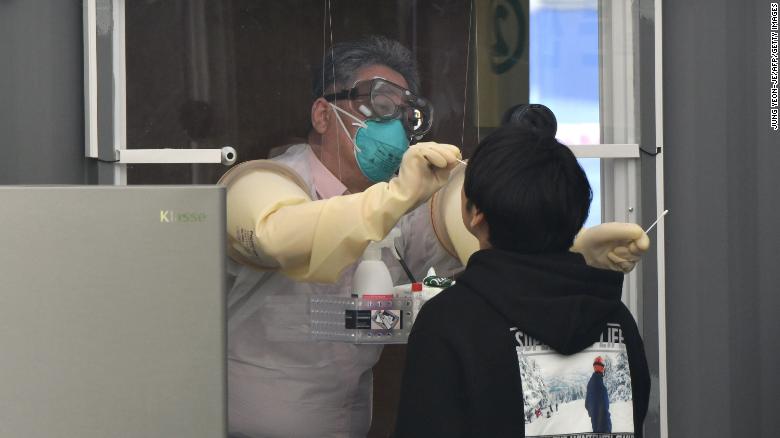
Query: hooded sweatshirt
point(508, 352)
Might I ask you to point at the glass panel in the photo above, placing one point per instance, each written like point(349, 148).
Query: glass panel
point(206, 74)
point(564, 75)
point(211, 73)
point(592, 168)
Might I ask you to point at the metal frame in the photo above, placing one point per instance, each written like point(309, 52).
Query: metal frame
point(90, 80)
point(104, 87)
point(105, 127)
point(661, 236)
point(630, 108)
point(608, 151)
point(119, 88)
point(619, 113)
point(106, 103)
point(226, 156)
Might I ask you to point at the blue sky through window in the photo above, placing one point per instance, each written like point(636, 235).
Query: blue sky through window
point(564, 75)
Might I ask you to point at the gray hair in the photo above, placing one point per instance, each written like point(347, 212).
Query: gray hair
point(340, 64)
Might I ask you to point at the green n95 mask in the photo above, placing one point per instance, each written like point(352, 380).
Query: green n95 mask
point(378, 146)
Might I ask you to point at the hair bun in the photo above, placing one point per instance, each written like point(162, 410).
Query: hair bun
point(533, 117)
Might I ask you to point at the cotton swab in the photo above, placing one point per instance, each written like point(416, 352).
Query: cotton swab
point(656, 221)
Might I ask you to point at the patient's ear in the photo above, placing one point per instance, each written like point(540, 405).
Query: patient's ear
point(474, 220)
point(480, 229)
point(477, 218)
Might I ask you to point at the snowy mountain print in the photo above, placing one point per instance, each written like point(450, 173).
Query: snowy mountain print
point(556, 402)
point(535, 393)
point(617, 378)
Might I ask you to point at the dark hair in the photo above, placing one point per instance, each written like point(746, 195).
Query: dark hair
point(534, 117)
point(533, 192)
point(342, 62)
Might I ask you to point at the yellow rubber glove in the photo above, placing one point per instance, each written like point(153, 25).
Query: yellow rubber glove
point(425, 168)
point(616, 246)
point(273, 224)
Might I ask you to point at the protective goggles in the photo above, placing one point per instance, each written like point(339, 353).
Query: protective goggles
point(379, 99)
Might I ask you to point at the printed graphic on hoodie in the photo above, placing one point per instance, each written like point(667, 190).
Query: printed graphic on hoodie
point(584, 395)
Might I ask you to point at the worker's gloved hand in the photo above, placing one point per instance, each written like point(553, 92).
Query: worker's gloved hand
point(425, 168)
point(616, 246)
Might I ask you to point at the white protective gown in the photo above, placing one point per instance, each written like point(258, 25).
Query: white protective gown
point(282, 384)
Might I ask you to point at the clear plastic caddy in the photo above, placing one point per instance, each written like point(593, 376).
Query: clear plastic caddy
point(362, 320)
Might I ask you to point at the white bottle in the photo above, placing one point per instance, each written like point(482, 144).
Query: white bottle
point(372, 276)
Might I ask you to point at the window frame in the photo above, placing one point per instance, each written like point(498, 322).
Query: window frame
point(631, 124)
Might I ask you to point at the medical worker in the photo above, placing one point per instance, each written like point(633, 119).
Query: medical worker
point(297, 225)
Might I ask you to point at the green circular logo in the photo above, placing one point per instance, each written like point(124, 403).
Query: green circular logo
point(509, 26)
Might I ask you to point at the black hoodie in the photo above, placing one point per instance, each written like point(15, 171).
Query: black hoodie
point(532, 315)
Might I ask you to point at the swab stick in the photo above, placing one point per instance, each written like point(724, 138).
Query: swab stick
point(656, 221)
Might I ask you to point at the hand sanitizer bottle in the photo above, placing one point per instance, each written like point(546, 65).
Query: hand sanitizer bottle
point(372, 279)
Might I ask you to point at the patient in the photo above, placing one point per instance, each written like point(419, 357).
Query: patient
point(508, 350)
